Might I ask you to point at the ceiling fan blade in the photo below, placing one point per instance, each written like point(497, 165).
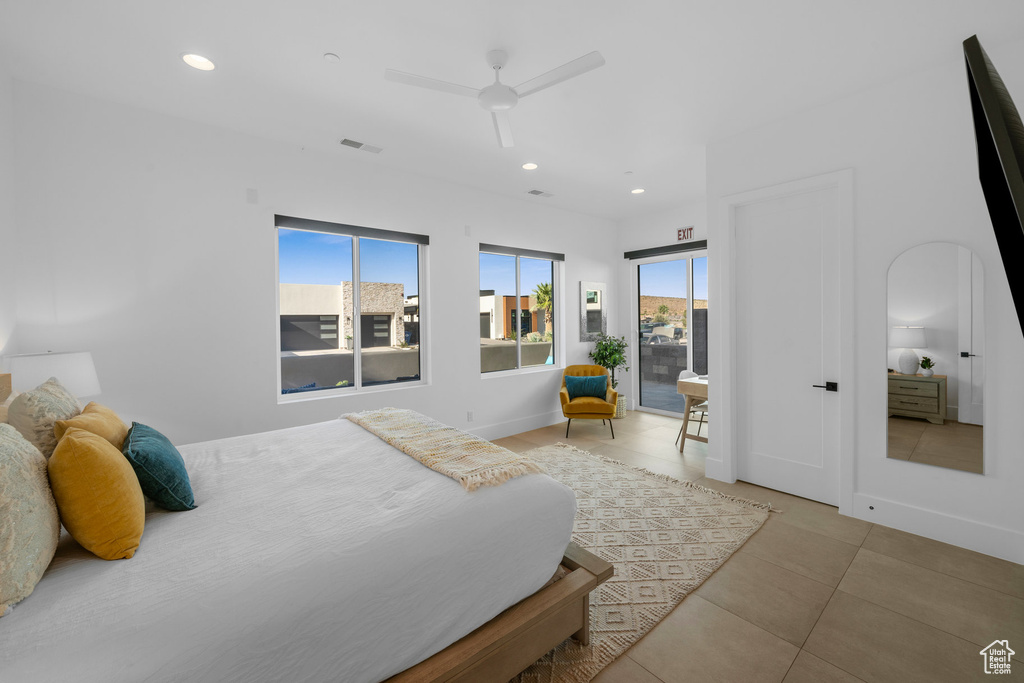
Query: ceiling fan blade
point(562, 73)
point(503, 128)
point(430, 83)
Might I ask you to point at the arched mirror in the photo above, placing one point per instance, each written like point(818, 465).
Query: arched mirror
point(936, 357)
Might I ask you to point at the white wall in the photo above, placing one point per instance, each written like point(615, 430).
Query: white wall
point(138, 244)
point(911, 146)
point(645, 232)
point(8, 233)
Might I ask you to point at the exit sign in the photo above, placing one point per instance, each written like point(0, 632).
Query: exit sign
point(683, 234)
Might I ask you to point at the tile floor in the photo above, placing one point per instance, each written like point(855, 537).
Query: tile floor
point(813, 596)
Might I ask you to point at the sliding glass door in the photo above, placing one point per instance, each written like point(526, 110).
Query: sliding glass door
point(671, 334)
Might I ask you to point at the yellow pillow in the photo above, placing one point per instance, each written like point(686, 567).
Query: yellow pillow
point(98, 419)
point(98, 495)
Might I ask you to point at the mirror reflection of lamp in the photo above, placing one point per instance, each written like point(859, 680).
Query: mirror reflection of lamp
point(908, 338)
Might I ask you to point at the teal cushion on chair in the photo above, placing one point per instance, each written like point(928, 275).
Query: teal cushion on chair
point(159, 467)
point(596, 386)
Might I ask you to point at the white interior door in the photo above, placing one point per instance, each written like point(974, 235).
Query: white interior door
point(786, 341)
point(971, 368)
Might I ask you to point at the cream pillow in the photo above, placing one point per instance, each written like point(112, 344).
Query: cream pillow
point(29, 524)
point(34, 413)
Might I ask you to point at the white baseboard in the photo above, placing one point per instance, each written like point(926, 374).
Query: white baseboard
point(715, 469)
point(1007, 544)
point(523, 424)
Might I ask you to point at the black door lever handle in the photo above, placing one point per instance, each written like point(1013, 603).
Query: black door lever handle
point(827, 386)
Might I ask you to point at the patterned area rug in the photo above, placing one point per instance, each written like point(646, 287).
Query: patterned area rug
point(664, 537)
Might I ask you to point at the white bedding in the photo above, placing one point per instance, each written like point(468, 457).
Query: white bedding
point(316, 553)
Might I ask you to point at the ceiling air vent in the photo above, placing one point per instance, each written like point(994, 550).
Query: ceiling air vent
point(539, 193)
point(359, 145)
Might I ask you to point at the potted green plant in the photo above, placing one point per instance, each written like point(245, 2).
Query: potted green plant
point(927, 366)
point(610, 352)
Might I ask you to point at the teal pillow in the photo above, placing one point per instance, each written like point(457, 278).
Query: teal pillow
point(159, 467)
point(586, 386)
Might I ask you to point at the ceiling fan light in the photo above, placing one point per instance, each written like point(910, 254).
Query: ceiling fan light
point(529, 166)
point(497, 97)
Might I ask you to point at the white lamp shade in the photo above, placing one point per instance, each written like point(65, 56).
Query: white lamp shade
point(74, 370)
point(907, 338)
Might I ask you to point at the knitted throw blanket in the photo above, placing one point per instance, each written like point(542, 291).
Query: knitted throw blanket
point(467, 459)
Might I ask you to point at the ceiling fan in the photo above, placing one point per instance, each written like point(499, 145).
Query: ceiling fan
point(498, 98)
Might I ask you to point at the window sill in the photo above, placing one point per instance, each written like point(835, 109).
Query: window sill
point(532, 370)
point(346, 392)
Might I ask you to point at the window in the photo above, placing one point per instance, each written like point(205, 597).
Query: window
point(327, 272)
point(517, 307)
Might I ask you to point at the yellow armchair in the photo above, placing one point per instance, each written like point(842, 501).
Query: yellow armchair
point(588, 407)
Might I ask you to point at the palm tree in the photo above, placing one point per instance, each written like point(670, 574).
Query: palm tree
point(545, 301)
point(663, 309)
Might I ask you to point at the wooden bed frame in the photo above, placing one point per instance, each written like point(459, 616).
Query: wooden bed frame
point(520, 635)
point(5, 386)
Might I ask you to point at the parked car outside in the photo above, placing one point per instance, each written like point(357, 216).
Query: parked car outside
point(659, 339)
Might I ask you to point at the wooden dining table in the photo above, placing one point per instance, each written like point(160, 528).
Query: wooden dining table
point(696, 391)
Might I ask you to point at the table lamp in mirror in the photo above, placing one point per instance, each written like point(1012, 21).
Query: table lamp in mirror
point(910, 339)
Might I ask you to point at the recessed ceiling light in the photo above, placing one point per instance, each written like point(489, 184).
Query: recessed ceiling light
point(638, 190)
point(198, 62)
point(529, 166)
point(331, 57)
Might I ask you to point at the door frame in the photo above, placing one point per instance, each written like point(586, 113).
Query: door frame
point(634, 313)
point(722, 460)
point(968, 411)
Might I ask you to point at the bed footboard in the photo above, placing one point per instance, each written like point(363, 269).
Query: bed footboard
point(520, 635)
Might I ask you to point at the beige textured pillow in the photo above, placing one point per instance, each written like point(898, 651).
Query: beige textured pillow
point(34, 413)
point(29, 524)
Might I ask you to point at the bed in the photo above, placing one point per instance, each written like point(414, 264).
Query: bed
point(315, 553)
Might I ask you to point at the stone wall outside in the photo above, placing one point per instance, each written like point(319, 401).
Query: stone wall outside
point(378, 298)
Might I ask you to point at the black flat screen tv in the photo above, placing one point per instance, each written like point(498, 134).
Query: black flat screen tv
point(1000, 138)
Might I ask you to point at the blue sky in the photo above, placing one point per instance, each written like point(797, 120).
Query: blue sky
point(498, 272)
point(668, 278)
point(324, 259)
point(317, 258)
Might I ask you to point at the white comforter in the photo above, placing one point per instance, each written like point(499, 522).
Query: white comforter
point(317, 553)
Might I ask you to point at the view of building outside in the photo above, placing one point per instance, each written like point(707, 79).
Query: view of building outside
point(318, 328)
point(506, 327)
point(497, 288)
point(382, 303)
